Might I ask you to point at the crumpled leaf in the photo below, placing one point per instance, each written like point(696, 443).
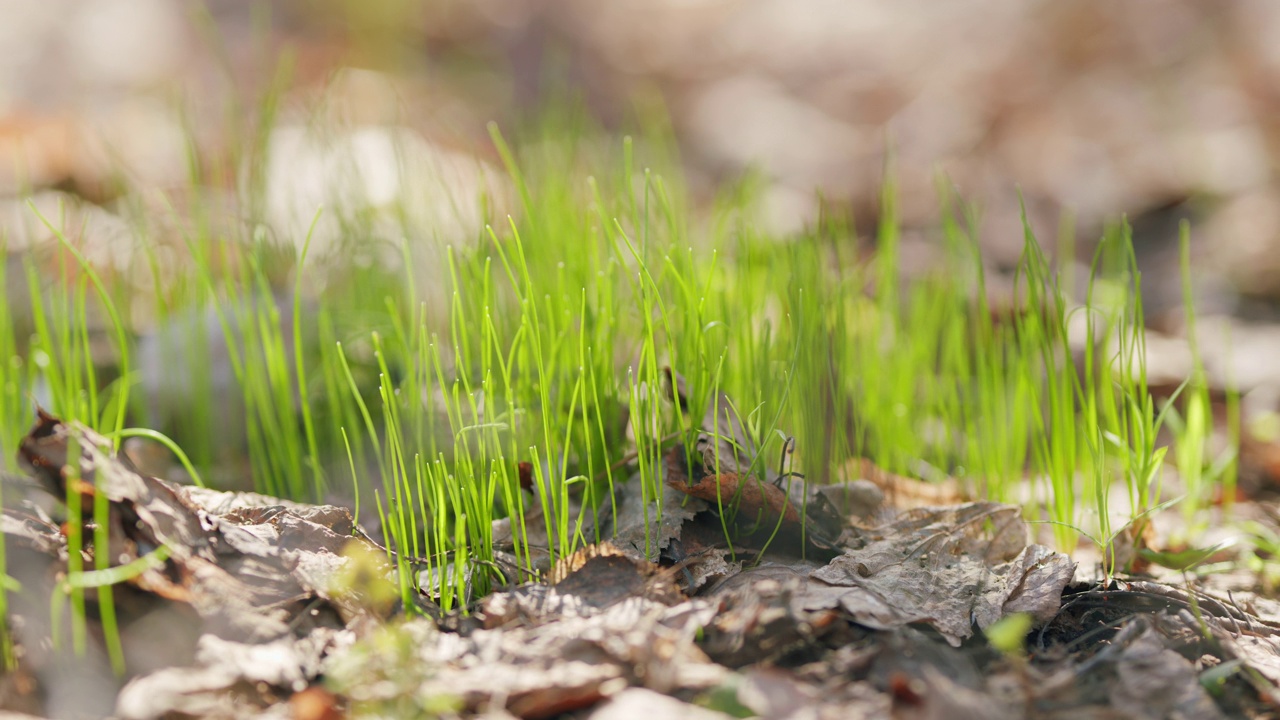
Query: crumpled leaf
point(756, 501)
point(708, 565)
point(545, 667)
point(602, 575)
point(257, 572)
point(641, 528)
point(231, 556)
point(951, 568)
point(722, 468)
point(1155, 681)
point(1192, 622)
point(225, 668)
point(585, 583)
point(758, 617)
point(758, 506)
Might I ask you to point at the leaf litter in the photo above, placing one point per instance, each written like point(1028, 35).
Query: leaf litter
point(820, 602)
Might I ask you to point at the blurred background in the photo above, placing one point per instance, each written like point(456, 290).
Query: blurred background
point(1157, 110)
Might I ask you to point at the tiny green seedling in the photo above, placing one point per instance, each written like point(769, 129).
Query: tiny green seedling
point(537, 348)
point(1008, 635)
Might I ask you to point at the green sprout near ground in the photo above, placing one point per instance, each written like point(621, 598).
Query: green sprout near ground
point(547, 359)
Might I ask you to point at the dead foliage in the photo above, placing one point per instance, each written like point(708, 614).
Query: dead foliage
point(809, 606)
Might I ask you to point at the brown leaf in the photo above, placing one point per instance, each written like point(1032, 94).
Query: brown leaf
point(601, 575)
point(754, 500)
point(759, 507)
point(951, 568)
point(43, 453)
point(1156, 682)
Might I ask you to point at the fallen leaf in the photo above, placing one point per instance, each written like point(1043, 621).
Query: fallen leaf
point(952, 568)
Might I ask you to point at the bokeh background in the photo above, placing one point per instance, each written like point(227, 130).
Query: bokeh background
point(1156, 110)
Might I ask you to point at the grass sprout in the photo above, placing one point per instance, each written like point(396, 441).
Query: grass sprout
point(515, 375)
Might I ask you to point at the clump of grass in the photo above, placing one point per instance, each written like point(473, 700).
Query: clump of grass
point(62, 353)
point(551, 353)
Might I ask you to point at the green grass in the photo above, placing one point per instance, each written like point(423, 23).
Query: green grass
point(557, 325)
